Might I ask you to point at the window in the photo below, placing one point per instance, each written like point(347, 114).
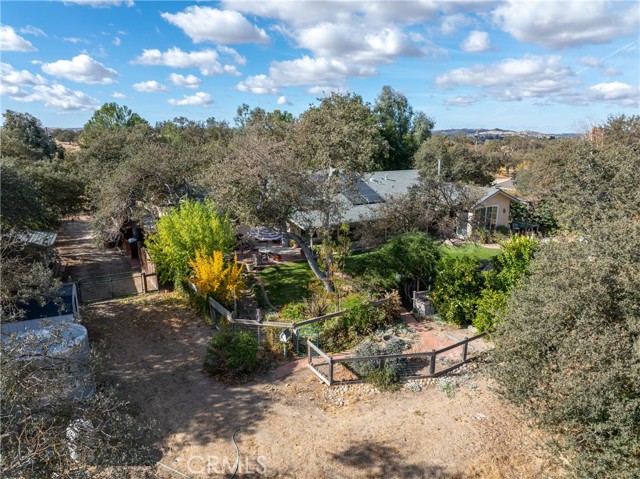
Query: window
point(486, 217)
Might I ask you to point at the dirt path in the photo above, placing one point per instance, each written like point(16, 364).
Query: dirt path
point(83, 258)
point(297, 427)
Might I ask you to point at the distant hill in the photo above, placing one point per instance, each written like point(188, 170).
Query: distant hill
point(499, 133)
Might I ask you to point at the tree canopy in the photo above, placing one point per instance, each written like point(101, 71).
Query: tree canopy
point(403, 129)
point(457, 159)
point(192, 228)
point(567, 349)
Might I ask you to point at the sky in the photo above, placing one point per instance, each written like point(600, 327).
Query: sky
point(547, 66)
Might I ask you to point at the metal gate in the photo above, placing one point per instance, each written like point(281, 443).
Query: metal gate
point(118, 285)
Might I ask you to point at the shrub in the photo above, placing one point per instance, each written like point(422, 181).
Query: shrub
point(511, 266)
point(567, 349)
point(384, 378)
point(293, 312)
point(360, 319)
point(191, 227)
point(212, 275)
point(231, 353)
point(489, 308)
point(457, 288)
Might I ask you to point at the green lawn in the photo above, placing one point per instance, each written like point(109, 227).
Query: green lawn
point(287, 282)
point(482, 254)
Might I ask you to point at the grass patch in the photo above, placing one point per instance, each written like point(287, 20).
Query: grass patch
point(482, 254)
point(287, 282)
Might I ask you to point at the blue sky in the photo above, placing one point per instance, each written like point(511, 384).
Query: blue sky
point(550, 66)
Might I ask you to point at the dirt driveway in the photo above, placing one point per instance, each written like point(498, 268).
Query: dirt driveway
point(83, 258)
point(296, 427)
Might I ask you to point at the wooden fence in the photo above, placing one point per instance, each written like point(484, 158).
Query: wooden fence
point(334, 370)
point(117, 285)
point(217, 310)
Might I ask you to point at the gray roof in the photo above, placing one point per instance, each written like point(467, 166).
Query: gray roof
point(386, 184)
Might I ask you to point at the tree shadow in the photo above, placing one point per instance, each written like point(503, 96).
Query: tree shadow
point(381, 461)
point(155, 349)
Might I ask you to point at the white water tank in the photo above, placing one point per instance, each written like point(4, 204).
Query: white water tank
point(61, 347)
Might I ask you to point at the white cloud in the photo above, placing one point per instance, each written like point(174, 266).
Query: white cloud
point(477, 41)
point(204, 24)
point(14, 92)
point(10, 41)
point(568, 23)
point(11, 77)
point(119, 96)
point(259, 85)
point(283, 101)
point(305, 14)
point(189, 81)
point(35, 31)
point(450, 23)
point(205, 60)
point(590, 62)
point(464, 100)
point(323, 90)
point(200, 98)
point(302, 72)
point(61, 97)
point(75, 40)
point(81, 69)
point(617, 92)
point(233, 54)
point(117, 41)
point(101, 3)
point(515, 79)
point(611, 72)
point(150, 86)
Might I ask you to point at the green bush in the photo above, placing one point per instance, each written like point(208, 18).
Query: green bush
point(568, 349)
point(510, 267)
point(457, 288)
point(402, 261)
point(489, 308)
point(370, 347)
point(293, 312)
point(360, 319)
point(231, 353)
point(383, 379)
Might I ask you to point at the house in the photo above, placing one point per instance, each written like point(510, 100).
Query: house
point(493, 210)
point(362, 202)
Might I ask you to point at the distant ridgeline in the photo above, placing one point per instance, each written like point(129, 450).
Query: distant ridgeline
point(498, 134)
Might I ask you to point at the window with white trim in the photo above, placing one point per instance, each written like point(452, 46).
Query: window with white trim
point(486, 217)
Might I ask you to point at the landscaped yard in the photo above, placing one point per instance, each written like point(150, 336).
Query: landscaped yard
point(289, 282)
point(297, 427)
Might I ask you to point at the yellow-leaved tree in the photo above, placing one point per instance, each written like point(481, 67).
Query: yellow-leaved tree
point(212, 275)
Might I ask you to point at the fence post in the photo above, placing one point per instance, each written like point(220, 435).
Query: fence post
point(308, 352)
point(413, 301)
point(432, 363)
point(144, 282)
point(111, 286)
point(464, 349)
point(330, 371)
